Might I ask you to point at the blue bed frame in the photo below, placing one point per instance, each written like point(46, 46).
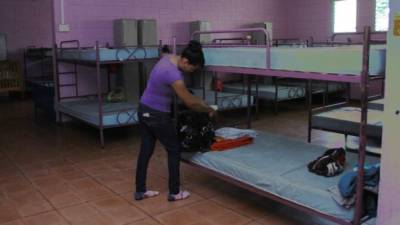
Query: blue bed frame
point(98, 114)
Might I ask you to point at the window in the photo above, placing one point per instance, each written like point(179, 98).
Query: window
point(345, 16)
point(381, 15)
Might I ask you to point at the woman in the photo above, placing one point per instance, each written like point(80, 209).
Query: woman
point(155, 116)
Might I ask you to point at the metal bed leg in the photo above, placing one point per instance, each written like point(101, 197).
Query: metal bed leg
point(108, 80)
point(248, 102)
point(348, 93)
point(275, 80)
point(99, 95)
point(325, 95)
point(309, 109)
point(257, 99)
point(215, 78)
point(363, 127)
point(203, 84)
point(101, 137)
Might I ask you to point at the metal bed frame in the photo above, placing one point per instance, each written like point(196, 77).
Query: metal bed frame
point(246, 41)
point(234, 100)
point(42, 85)
point(304, 43)
point(325, 108)
point(41, 57)
point(98, 65)
point(363, 80)
point(281, 83)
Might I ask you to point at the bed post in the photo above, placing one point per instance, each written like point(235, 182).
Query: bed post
point(325, 94)
point(275, 81)
point(203, 83)
point(248, 101)
point(108, 79)
point(57, 82)
point(99, 95)
point(363, 126)
point(257, 101)
point(76, 79)
point(215, 81)
point(309, 109)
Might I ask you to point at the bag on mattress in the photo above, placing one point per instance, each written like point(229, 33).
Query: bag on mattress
point(116, 95)
point(331, 163)
point(195, 131)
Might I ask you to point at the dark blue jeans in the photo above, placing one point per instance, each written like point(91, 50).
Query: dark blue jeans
point(156, 125)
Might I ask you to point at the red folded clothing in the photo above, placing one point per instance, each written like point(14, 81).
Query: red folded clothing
point(226, 144)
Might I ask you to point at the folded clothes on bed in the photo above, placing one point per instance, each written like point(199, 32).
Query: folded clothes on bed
point(233, 133)
point(370, 202)
point(345, 202)
point(225, 144)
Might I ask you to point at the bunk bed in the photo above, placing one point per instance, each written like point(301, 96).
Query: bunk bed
point(343, 118)
point(272, 90)
point(224, 100)
point(38, 64)
point(95, 110)
point(39, 79)
point(274, 166)
point(283, 89)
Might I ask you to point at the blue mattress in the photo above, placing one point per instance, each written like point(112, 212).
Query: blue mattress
point(340, 60)
point(267, 91)
point(278, 165)
point(114, 114)
point(110, 54)
point(347, 120)
point(225, 101)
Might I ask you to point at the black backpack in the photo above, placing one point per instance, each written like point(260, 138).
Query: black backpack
point(195, 131)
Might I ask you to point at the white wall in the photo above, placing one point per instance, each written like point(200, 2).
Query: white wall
point(389, 193)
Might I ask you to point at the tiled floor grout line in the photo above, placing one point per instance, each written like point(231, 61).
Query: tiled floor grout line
point(234, 210)
point(116, 195)
point(80, 154)
point(38, 191)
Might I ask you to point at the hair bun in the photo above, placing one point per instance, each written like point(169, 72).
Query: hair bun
point(195, 46)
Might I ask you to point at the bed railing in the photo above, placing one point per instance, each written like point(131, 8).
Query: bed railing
point(77, 46)
point(348, 36)
point(241, 40)
point(348, 39)
point(132, 51)
point(244, 30)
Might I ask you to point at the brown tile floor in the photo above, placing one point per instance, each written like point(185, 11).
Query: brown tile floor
point(58, 175)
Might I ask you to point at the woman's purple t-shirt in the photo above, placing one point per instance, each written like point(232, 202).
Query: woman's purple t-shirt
point(159, 93)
